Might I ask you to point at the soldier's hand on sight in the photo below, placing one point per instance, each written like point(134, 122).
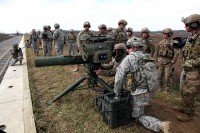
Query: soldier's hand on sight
point(98, 72)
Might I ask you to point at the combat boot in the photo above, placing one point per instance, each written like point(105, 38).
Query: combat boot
point(165, 127)
point(186, 116)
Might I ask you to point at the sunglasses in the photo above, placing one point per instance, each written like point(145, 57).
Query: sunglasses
point(128, 46)
point(187, 25)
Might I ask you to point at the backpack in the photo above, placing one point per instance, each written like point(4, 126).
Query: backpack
point(148, 71)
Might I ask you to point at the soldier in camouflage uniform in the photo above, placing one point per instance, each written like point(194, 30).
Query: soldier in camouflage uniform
point(119, 34)
point(110, 69)
point(130, 65)
point(109, 30)
point(129, 33)
point(166, 57)
point(39, 40)
point(17, 55)
point(102, 30)
point(86, 26)
point(49, 28)
point(46, 41)
point(71, 40)
point(190, 76)
point(33, 40)
point(149, 47)
point(59, 39)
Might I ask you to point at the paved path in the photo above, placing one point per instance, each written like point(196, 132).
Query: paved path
point(7, 44)
point(5, 56)
point(15, 101)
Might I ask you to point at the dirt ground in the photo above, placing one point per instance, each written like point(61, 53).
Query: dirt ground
point(4, 37)
point(166, 110)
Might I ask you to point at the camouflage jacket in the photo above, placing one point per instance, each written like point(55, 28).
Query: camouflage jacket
point(33, 38)
point(165, 52)
point(16, 52)
point(59, 36)
point(149, 47)
point(102, 34)
point(71, 38)
point(79, 36)
point(119, 36)
point(110, 69)
point(128, 65)
point(191, 52)
point(46, 36)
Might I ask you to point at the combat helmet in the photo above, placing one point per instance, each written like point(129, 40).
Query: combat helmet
point(45, 27)
point(109, 29)
point(86, 24)
point(15, 45)
point(49, 27)
point(191, 18)
point(193, 21)
point(120, 46)
point(168, 31)
point(102, 26)
point(129, 30)
point(144, 30)
point(56, 25)
point(122, 21)
point(71, 30)
point(133, 42)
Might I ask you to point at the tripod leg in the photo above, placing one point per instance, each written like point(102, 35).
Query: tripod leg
point(105, 85)
point(66, 91)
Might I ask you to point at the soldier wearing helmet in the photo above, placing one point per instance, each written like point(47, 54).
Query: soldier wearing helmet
point(129, 32)
point(134, 44)
point(17, 54)
point(33, 40)
point(59, 39)
point(110, 69)
point(119, 34)
point(130, 67)
point(56, 26)
point(49, 28)
point(86, 30)
point(166, 56)
point(46, 38)
point(190, 76)
point(109, 29)
point(102, 30)
point(149, 47)
point(71, 41)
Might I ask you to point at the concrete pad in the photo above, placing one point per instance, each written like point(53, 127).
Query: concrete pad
point(15, 100)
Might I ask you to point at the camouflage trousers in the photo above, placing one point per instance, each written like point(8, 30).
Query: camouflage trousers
point(140, 99)
point(35, 48)
point(59, 48)
point(190, 87)
point(46, 49)
point(72, 48)
point(14, 61)
point(164, 76)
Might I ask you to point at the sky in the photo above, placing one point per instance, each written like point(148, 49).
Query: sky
point(25, 15)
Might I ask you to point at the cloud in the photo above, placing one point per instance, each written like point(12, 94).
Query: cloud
point(23, 15)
